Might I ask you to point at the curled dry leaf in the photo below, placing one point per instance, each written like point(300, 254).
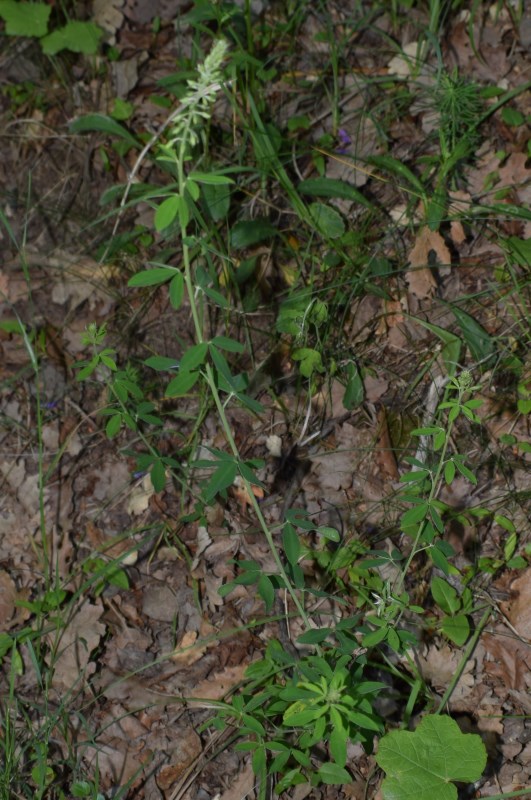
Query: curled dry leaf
point(115, 548)
point(510, 660)
point(384, 452)
point(185, 653)
point(139, 498)
point(420, 276)
point(438, 665)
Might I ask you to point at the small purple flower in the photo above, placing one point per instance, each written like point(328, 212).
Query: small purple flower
point(344, 141)
point(51, 404)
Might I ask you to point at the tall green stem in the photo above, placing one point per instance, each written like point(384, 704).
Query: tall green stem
point(434, 490)
point(210, 379)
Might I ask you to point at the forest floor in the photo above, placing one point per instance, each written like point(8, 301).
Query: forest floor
point(116, 641)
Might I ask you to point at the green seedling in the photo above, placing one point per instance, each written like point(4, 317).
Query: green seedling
point(291, 706)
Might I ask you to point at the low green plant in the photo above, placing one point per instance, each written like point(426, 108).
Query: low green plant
point(297, 713)
point(290, 705)
point(32, 20)
point(298, 710)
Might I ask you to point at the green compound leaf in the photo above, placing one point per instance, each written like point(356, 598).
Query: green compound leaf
point(161, 363)
point(221, 479)
point(210, 178)
point(177, 290)
point(395, 167)
point(424, 763)
point(310, 359)
point(266, 591)
point(519, 250)
point(171, 208)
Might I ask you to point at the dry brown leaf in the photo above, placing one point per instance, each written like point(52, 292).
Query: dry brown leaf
point(106, 15)
point(509, 657)
point(488, 176)
point(116, 763)
point(8, 595)
point(242, 786)
point(393, 315)
point(420, 276)
point(78, 279)
point(4, 284)
point(405, 64)
point(212, 587)
point(82, 635)
point(518, 610)
point(500, 420)
point(491, 724)
point(159, 602)
point(459, 203)
point(219, 683)
point(375, 388)
point(517, 174)
point(334, 471)
point(438, 665)
point(139, 498)
point(185, 653)
point(115, 547)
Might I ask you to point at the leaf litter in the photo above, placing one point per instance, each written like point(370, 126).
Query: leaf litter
point(148, 650)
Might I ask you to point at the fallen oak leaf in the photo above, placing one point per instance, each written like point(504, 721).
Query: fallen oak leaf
point(420, 276)
point(70, 656)
point(187, 651)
